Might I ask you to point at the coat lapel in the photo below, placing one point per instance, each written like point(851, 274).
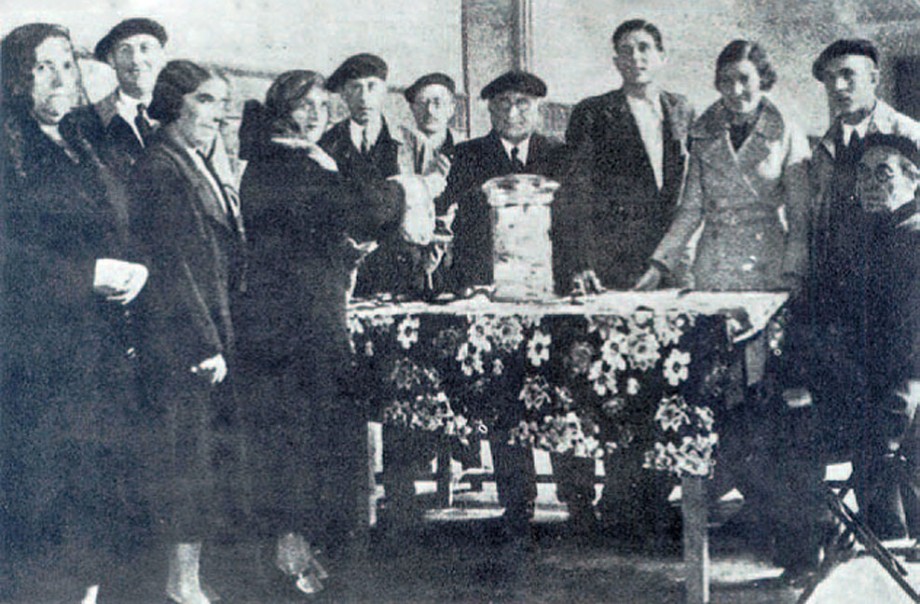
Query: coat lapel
point(623, 126)
point(204, 192)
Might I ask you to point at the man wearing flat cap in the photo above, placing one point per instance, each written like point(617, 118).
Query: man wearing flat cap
point(365, 149)
point(512, 146)
point(849, 71)
point(118, 124)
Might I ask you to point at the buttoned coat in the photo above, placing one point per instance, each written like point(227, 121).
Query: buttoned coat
point(737, 197)
point(194, 252)
point(624, 214)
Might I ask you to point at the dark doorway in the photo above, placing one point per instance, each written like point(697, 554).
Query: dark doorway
point(906, 91)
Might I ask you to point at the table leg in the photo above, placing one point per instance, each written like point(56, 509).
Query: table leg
point(443, 476)
point(696, 539)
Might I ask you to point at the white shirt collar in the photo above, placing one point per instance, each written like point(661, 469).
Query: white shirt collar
point(126, 107)
point(373, 132)
point(861, 128)
point(523, 148)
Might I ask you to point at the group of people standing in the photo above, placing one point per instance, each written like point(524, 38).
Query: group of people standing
point(153, 310)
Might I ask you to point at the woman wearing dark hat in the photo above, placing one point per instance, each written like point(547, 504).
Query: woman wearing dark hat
point(190, 232)
point(306, 436)
point(66, 374)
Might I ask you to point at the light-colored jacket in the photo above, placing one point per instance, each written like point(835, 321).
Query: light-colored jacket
point(883, 120)
point(738, 196)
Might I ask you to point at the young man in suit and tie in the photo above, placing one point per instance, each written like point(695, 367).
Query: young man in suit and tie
point(118, 124)
point(629, 156)
point(849, 71)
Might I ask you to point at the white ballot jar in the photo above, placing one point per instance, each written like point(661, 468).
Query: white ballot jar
point(522, 251)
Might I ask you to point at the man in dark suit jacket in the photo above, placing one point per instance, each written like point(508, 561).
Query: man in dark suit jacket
point(512, 146)
point(118, 124)
point(629, 154)
point(366, 150)
point(631, 145)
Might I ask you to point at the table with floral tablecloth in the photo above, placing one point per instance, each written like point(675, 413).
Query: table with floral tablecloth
point(567, 376)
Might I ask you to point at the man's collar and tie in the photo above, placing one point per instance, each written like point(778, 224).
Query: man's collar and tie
point(365, 136)
point(517, 153)
point(134, 113)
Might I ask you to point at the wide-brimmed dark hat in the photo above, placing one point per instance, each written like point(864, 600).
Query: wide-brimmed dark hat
point(842, 48)
point(441, 79)
point(364, 65)
point(903, 145)
point(515, 81)
point(126, 29)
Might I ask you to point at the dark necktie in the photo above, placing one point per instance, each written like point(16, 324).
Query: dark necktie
point(516, 162)
point(143, 124)
point(365, 146)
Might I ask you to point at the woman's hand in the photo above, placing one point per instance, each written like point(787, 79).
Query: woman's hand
point(119, 281)
point(214, 369)
point(649, 281)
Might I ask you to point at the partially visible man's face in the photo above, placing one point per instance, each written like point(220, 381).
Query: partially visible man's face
point(638, 58)
point(882, 183)
point(365, 98)
point(137, 61)
point(515, 115)
point(432, 108)
point(850, 82)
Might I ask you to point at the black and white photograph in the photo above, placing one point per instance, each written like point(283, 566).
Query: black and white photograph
point(459, 301)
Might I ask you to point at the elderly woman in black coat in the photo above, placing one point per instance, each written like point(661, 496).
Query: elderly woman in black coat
point(303, 218)
point(66, 375)
point(189, 229)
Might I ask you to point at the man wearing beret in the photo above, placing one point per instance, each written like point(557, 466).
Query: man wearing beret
point(366, 150)
point(512, 146)
point(118, 124)
point(406, 452)
point(849, 71)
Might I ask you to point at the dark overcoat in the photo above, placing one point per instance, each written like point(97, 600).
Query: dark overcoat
point(292, 335)
point(194, 251)
point(66, 375)
point(396, 266)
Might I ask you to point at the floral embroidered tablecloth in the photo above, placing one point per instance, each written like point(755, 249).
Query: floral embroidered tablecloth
point(615, 370)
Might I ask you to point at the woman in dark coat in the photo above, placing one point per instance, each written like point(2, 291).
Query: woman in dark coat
point(66, 371)
point(308, 439)
point(190, 232)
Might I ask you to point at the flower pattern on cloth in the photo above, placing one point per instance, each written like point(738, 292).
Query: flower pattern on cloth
point(571, 384)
